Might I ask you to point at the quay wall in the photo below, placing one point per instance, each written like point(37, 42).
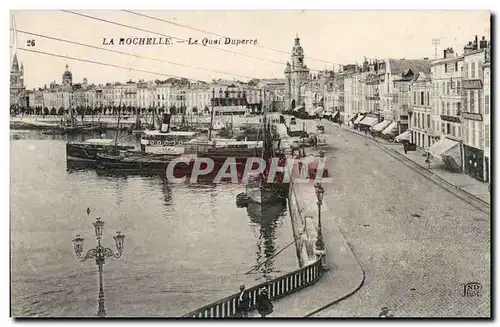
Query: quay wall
point(303, 226)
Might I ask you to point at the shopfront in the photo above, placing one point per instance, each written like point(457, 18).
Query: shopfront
point(473, 163)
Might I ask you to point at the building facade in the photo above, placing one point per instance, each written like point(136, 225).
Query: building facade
point(447, 95)
point(422, 123)
point(486, 118)
point(473, 108)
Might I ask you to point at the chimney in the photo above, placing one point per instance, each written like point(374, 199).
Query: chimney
point(426, 58)
point(468, 48)
point(475, 43)
point(448, 53)
point(483, 44)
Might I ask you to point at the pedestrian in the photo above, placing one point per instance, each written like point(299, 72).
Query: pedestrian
point(263, 303)
point(385, 313)
point(243, 303)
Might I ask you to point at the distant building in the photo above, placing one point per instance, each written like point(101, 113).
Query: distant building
point(18, 96)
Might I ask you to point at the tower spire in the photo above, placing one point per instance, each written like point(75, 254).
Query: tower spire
point(15, 63)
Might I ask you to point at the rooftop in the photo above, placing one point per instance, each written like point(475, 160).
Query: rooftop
point(399, 66)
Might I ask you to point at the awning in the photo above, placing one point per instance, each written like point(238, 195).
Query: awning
point(392, 129)
point(369, 121)
point(327, 114)
point(335, 114)
point(318, 110)
point(381, 126)
point(453, 158)
point(297, 108)
point(442, 146)
point(360, 118)
point(405, 136)
point(353, 117)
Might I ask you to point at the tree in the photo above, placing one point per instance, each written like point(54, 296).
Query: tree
point(253, 82)
point(53, 111)
point(173, 110)
point(60, 111)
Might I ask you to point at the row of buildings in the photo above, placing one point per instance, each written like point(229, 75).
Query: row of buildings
point(439, 104)
point(228, 97)
point(429, 100)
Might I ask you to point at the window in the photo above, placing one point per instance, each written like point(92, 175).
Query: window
point(466, 70)
point(459, 108)
point(422, 98)
point(453, 130)
point(473, 69)
point(447, 108)
point(487, 135)
point(448, 88)
point(448, 128)
point(481, 139)
point(428, 98)
point(479, 104)
point(428, 121)
point(486, 104)
point(456, 66)
point(442, 128)
point(472, 107)
point(445, 68)
point(458, 87)
point(473, 132)
point(414, 97)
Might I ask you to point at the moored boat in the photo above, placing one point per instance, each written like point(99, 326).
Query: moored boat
point(89, 149)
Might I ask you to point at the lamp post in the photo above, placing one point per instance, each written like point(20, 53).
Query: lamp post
point(99, 253)
point(320, 244)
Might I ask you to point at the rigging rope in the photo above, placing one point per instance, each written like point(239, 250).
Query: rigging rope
point(273, 256)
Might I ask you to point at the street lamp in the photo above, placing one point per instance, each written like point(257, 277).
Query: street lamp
point(320, 244)
point(99, 253)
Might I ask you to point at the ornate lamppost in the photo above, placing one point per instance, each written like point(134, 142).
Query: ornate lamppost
point(320, 244)
point(99, 253)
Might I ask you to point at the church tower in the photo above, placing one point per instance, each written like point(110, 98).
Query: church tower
point(296, 75)
point(17, 88)
point(16, 74)
point(67, 77)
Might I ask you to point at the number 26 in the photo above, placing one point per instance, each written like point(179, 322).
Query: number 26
point(31, 43)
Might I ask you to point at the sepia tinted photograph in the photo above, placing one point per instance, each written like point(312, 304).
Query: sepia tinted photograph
point(250, 164)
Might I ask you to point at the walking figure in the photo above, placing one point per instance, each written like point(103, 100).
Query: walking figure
point(385, 313)
point(428, 161)
point(264, 305)
point(243, 303)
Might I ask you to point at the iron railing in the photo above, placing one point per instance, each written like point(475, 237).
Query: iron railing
point(277, 288)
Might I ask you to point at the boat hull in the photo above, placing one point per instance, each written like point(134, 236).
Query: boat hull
point(87, 151)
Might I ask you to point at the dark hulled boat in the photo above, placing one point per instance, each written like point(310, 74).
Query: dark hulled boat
point(89, 149)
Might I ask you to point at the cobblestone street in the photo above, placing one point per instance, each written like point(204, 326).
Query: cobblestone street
point(416, 242)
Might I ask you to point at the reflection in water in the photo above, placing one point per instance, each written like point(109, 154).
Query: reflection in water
point(266, 217)
point(167, 191)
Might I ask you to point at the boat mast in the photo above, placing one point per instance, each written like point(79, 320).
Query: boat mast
point(118, 125)
point(211, 116)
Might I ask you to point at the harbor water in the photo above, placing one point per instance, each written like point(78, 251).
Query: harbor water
point(185, 245)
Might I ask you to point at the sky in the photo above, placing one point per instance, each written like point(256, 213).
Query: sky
point(329, 39)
